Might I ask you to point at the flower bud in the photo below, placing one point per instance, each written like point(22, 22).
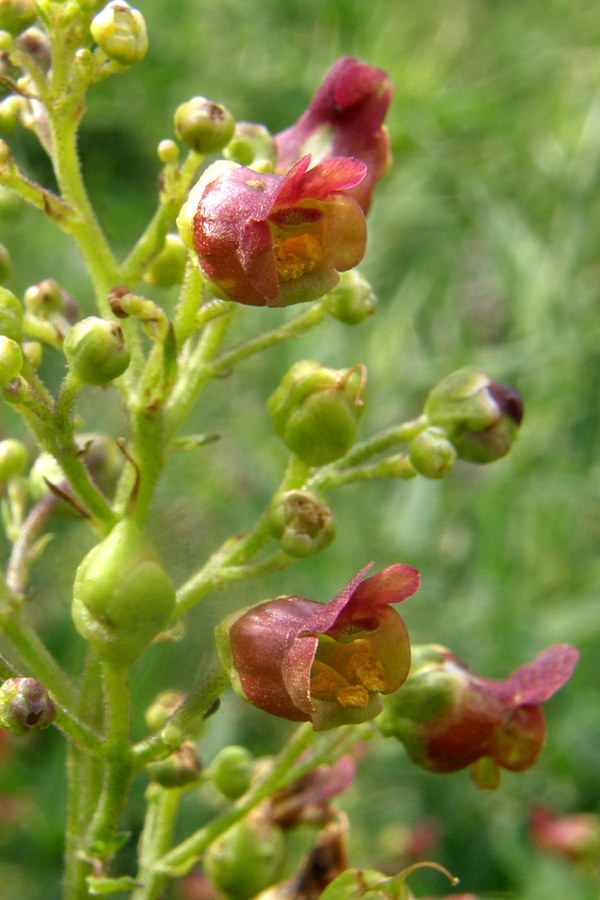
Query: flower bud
point(352, 300)
point(13, 459)
point(10, 109)
point(231, 771)
point(11, 360)
point(122, 597)
point(25, 706)
point(203, 125)
point(168, 268)
point(11, 204)
point(181, 769)
point(168, 151)
point(246, 859)
point(431, 453)
point(120, 32)
point(303, 522)
point(250, 144)
point(17, 15)
point(11, 316)
point(45, 469)
point(317, 411)
point(44, 298)
point(36, 44)
point(481, 417)
point(164, 706)
point(33, 352)
point(95, 350)
point(449, 717)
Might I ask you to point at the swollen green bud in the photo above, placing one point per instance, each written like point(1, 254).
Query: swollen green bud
point(481, 417)
point(181, 769)
point(120, 31)
point(44, 298)
point(11, 316)
point(231, 771)
point(303, 522)
point(13, 459)
point(25, 706)
point(11, 360)
point(163, 707)
point(45, 469)
point(168, 268)
point(122, 598)
point(203, 125)
point(10, 110)
point(168, 151)
point(317, 411)
point(431, 453)
point(95, 350)
point(17, 15)
point(246, 859)
point(250, 144)
point(352, 300)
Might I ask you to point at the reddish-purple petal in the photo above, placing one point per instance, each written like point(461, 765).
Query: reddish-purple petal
point(326, 617)
point(336, 174)
point(539, 680)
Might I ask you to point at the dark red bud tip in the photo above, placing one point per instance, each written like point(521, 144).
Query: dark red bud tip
point(509, 400)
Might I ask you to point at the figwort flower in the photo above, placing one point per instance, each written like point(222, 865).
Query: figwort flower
point(274, 240)
point(449, 717)
point(345, 118)
point(327, 664)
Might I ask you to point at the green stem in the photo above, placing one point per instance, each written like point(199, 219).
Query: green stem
point(156, 839)
point(84, 783)
point(102, 838)
point(398, 466)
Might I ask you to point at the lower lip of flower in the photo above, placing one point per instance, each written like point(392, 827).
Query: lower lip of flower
point(297, 256)
point(357, 675)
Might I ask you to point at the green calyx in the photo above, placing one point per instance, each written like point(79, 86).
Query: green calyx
point(95, 350)
point(123, 597)
point(247, 859)
point(317, 411)
point(11, 316)
point(203, 125)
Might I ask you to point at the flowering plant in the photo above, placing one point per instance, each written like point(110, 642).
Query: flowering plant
point(279, 221)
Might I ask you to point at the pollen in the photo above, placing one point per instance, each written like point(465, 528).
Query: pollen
point(363, 668)
point(296, 256)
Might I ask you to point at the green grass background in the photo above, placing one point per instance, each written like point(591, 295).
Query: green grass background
point(484, 249)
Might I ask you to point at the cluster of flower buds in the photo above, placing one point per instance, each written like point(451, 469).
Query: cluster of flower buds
point(123, 597)
point(25, 706)
point(317, 411)
point(327, 664)
point(448, 717)
point(469, 416)
point(265, 238)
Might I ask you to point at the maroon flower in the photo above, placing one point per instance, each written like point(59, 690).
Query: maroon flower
point(327, 664)
point(274, 240)
point(345, 118)
point(448, 717)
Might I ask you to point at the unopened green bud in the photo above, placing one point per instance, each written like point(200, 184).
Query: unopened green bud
point(181, 769)
point(33, 352)
point(44, 298)
point(246, 859)
point(317, 411)
point(163, 707)
point(36, 44)
point(168, 151)
point(431, 453)
point(10, 109)
point(303, 522)
point(168, 268)
point(25, 706)
point(11, 316)
point(123, 597)
point(203, 125)
point(120, 32)
point(481, 417)
point(11, 360)
point(352, 300)
point(95, 350)
point(11, 204)
point(45, 469)
point(17, 15)
point(13, 459)
point(250, 143)
point(231, 771)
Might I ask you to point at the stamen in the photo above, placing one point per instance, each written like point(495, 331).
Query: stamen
point(297, 255)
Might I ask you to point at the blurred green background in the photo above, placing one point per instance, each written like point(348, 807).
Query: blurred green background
point(484, 250)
